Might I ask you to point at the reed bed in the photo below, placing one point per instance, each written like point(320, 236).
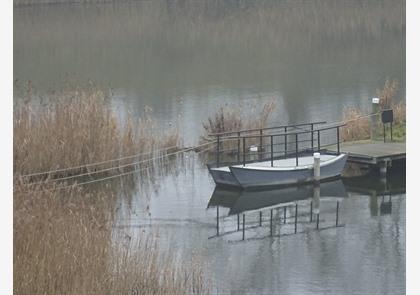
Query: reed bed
point(359, 126)
point(232, 118)
point(65, 242)
point(78, 127)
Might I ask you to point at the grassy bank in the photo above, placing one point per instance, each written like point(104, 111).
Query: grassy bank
point(359, 125)
point(65, 243)
point(78, 127)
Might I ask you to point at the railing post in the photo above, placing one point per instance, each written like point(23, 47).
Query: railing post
point(312, 136)
point(261, 143)
point(271, 222)
point(217, 151)
point(285, 142)
point(319, 141)
point(217, 220)
point(297, 156)
point(338, 139)
point(384, 131)
point(284, 214)
point(271, 143)
point(391, 130)
point(243, 227)
point(310, 218)
point(239, 147)
point(244, 151)
point(238, 222)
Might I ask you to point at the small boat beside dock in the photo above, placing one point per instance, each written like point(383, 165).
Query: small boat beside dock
point(290, 158)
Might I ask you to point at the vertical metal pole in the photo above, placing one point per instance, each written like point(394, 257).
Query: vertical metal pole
point(312, 137)
point(238, 222)
point(285, 142)
point(296, 213)
point(336, 214)
point(239, 147)
point(384, 132)
point(243, 227)
point(243, 150)
point(338, 139)
point(296, 143)
point(317, 221)
point(319, 142)
point(261, 143)
point(391, 131)
point(271, 143)
point(271, 222)
point(310, 218)
point(217, 151)
point(217, 210)
point(260, 218)
point(284, 214)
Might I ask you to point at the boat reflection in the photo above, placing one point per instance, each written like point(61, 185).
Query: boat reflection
point(240, 201)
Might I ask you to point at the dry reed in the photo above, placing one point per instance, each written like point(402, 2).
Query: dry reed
point(359, 126)
point(65, 243)
point(77, 127)
point(230, 118)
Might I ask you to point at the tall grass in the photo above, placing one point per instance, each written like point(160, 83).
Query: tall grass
point(65, 243)
point(77, 127)
point(359, 126)
point(235, 118)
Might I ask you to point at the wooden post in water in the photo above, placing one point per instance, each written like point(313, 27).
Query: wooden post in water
point(296, 216)
point(260, 218)
point(317, 189)
point(317, 168)
point(373, 118)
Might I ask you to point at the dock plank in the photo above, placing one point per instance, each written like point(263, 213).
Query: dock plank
point(374, 151)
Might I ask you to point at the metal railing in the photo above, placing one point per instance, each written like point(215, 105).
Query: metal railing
point(293, 144)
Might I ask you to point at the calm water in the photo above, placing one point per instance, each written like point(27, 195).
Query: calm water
point(185, 59)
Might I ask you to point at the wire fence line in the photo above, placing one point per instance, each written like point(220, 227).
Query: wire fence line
point(164, 156)
point(97, 163)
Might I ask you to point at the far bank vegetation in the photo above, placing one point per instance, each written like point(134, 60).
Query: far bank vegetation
point(359, 125)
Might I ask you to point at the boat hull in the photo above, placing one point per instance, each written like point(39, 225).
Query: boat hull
point(223, 178)
point(250, 177)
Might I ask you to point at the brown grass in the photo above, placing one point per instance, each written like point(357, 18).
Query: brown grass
point(76, 127)
point(235, 118)
point(358, 127)
point(65, 243)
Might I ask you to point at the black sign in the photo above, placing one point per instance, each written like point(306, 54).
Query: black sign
point(387, 116)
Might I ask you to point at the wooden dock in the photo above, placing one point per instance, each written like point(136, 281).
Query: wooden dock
point(374, 152)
